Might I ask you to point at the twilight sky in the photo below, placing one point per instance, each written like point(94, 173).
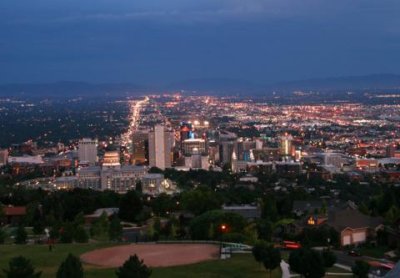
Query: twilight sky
point(163, 41)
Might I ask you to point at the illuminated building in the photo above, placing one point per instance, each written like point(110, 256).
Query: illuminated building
point(367, 164)
point(160, 147)
point(140, 141)
point(111, 175)
point(186, 131)
point(286, 147)
point(191, 146)
point(87, 151)
point(3, 157)
point(155, 184)
point(227, 145)
point(111, 159)
point(197, 161)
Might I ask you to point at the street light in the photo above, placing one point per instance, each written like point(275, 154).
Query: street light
point(223, 229)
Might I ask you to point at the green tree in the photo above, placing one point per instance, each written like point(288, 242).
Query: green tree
point(157, 225)
point(251, 234)
point(70, 268)
point(130, 206)
point(392, 215)
point(307, 262)
point(264, 229)
point(20, 267)
point(173, 231)
point(259, 250)
point(3, 236)
point(115, 228)
point(361, 269)
point(100, 227)
point(269, 210)
point(162, 204)
point(67, 233)
point(200, 200)
point(80, 234)
point(329, 258)
point(79, 219)
point(200, 225)
point(139, 187)
point(21, 235)
point(133, 267)
point(272, 259)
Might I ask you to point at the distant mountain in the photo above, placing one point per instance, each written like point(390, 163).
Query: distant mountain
point(68, 89)
point(214, 85)
point(364, 82)
point(217, 86)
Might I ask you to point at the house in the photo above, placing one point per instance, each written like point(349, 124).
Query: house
point(306, 207)
point(13, 215)
point(353, 226)
point(89, 218)
point(247, 211)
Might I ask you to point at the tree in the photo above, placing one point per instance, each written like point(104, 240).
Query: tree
point(20, 267)
point(260, 250)
point(20, 237)
point(133, 267)
point(361, 269)
point(100, 227)
point(80, 235)
point(3, 236)
point(157, 228)
point(79, 219)
point(264, 229)
point(115, 228)
point(130, 206)
point(139, 187)
point(329, 258)
point(307, 262)
point(200, 200)
point(272, 259)
point(67, 233)
point(269, 210)
point(70, 268)
point(200, 225)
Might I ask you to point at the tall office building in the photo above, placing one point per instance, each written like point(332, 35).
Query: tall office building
point(3, 157)
point(140, 145)
point(286, 146)
point(160, 145)
point(227, 145)
point(186, 131)
point(87, 150)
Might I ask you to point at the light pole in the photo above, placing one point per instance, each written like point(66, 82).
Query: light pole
point(223, 229)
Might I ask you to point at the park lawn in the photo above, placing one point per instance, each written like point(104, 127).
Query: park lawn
point(240, 266)
point(41, 258)
point(374, 251)
point(335, 269)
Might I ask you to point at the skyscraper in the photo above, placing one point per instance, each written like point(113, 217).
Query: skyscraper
point(140, 141)
point(286, 145)
point(160, 145)
point(87, 150)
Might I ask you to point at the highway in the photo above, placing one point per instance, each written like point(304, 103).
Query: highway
point(134, 118)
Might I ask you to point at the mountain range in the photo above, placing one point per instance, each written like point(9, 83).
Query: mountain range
point(216, 86)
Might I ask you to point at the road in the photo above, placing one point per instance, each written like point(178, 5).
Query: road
point(344, 259)
point(135, 109)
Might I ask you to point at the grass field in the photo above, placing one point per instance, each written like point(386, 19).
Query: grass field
point(240, 265)
point(374, 251)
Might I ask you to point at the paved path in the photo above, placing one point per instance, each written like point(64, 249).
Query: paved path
point(285, 269)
